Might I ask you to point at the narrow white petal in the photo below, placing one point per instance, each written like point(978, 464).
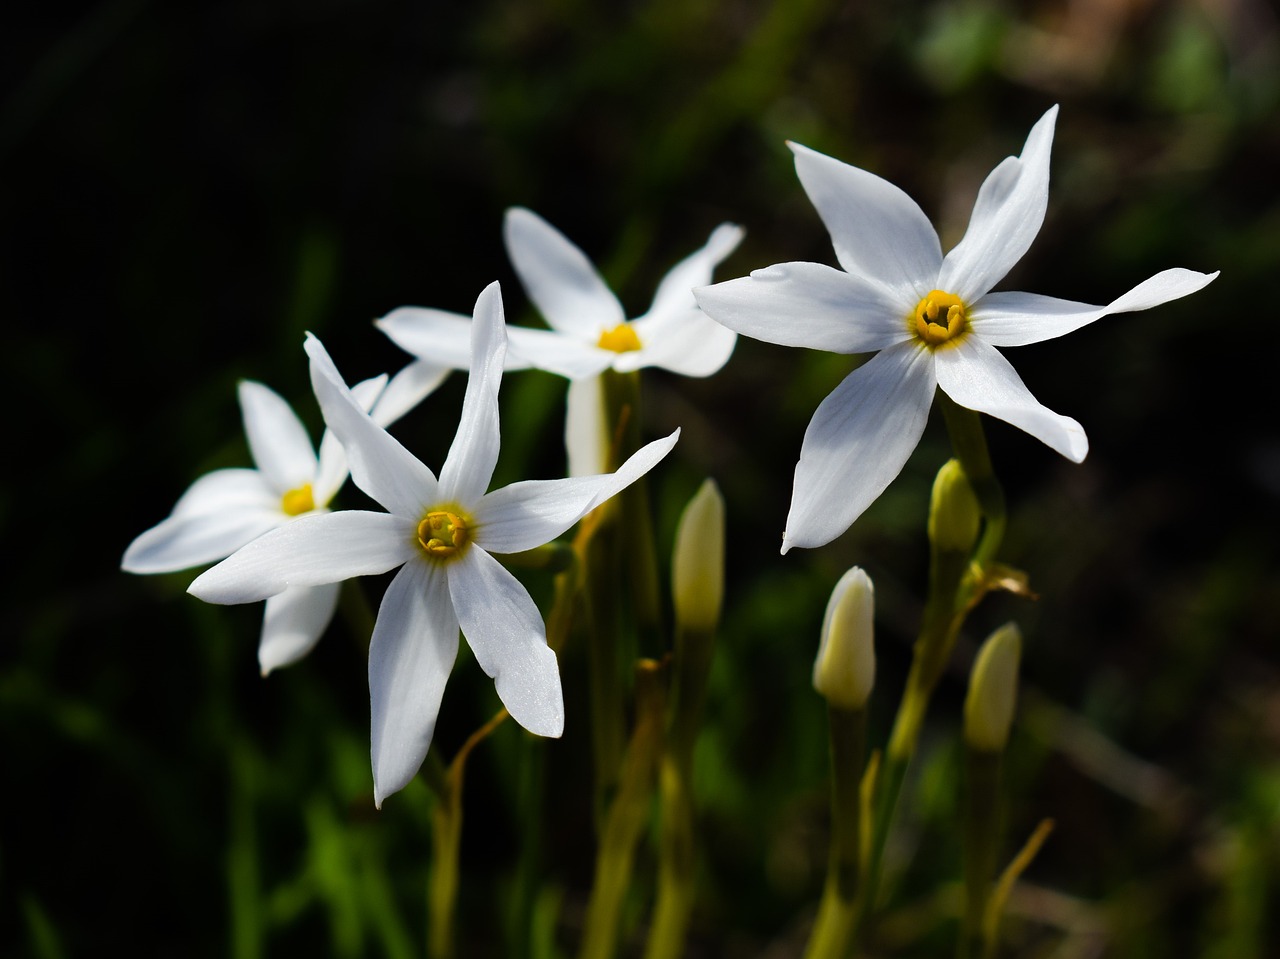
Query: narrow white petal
point(528, 514)
point(586, 435)
point(507, 635)
point(332, 470)
point(809, 305)
point(407, 389)
point(469, 466)
point(381, 467)
point(1006, 217)
point(227, 489)
point(675, 292)
point(439, 337)
point(879, 232)
point(293, 623)
point(857, 442)
point(687, 342)
point(311, 550)
point(559, 353)
point(194, 539)
point(974, 374)
point(1016, 319)
point(559, 278)
point(411, 655)
point(277, 439)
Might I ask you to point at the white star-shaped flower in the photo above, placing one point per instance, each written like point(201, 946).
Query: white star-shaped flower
point(933, 320)
point(225, 509)
point(442, 533)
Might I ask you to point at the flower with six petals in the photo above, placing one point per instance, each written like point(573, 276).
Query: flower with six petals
point(441, 532)
point(932, 320)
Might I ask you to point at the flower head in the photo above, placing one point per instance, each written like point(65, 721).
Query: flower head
point(441, 532)
point(933, 320)
point(225, 509)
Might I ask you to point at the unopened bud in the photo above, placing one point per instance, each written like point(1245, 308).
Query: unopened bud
point(845, 669)
point(697, 568)
point(954, 514)
point(993, 690)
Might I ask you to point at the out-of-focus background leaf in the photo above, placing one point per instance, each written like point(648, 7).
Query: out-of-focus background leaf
point(186, 188)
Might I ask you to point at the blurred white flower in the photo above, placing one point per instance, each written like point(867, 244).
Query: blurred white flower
point(933, 319)
point(225, 509)
point(442, 532)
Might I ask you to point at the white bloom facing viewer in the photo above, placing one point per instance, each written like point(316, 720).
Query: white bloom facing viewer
point(441, 531)
point(227, 508)
point(932, 319)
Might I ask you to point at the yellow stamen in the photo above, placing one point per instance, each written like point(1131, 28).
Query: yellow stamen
point(443, 533)
point(298, 501)
point(621, 339)
point(939, 317)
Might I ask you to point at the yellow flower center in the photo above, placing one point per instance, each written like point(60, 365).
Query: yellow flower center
point(939, 317)
point(443, 533)
point(621, 339)
point(298, 501)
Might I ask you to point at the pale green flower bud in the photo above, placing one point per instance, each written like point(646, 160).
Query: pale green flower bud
point(954, 514)
point(845, 669)
point(697, 567)
point(993, 690)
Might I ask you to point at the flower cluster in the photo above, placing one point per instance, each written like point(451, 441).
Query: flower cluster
point(931, 320)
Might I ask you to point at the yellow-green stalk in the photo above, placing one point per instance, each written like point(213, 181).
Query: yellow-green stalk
point(844, 673)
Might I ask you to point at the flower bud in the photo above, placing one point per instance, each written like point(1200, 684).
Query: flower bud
point(993, 690)
point(954, 514)
point(697, 567)
point(845, 669)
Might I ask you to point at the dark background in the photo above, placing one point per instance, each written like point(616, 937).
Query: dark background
point(186, 188)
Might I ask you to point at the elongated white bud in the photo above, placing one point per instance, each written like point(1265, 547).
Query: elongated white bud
point(993, 690)
point(845, 669)
point(697, 567)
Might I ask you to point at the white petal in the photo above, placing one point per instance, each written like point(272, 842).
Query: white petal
point(1006, 217)
point(227, 489)
point(586, 435)
point(857, 442)
point(439, 337)
point(332, 470)
point(687, 342)
point(974, 374)
point(507, 635)
point(675, 292)
point(528, 514)
point(1016, 319)
point(407, 389)
point(311, 550)
point(879, 232)
point(194, 539)
point(411, 654)
point(277, 438)
point(559, 278)
point(293, 623)
point(469, 466)
point(559, 353)
point(381, 467)
point(809, 305)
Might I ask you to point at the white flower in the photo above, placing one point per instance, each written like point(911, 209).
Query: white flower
point(589, 330)
point(933, 320)
point(442, 532)
point(225, 509)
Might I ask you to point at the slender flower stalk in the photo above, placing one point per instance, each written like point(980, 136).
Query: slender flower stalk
point(442, 533)
point(932, 322)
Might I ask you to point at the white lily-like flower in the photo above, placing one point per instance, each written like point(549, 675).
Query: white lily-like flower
point(442, 533)
point(933, 320)
point(590, 332)
point(227, 508)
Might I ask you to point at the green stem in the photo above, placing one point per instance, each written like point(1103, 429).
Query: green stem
point(838, 911)
point(981, 848)
point(446, 840)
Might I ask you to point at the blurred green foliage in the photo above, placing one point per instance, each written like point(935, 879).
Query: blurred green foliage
point(188, 187)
